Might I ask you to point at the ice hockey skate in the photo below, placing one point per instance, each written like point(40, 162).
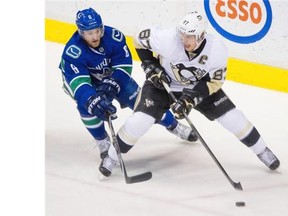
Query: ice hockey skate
point(107, 165)
point(269, 159)
point(104, 146)
point(184, 132)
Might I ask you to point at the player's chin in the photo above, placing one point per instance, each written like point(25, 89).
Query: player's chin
point(95, 44)
point(188, 48)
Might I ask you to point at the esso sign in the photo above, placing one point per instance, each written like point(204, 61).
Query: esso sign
point(241, 21)
point(241, 10)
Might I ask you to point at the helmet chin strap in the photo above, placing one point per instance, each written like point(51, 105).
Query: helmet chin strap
point(198, 44)
point(199, 41)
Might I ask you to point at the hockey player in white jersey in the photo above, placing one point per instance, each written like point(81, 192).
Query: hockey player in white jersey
point(193, 63)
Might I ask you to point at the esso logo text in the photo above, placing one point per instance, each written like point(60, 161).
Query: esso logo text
point(241, 21)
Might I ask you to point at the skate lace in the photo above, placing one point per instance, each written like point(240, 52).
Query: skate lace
point(103, 144)
point(267, 157)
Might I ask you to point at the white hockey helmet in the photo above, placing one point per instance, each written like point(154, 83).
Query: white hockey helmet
point(194, 23)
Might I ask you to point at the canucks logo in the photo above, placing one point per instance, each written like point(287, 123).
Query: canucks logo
point(73, 51)
point(117, 35)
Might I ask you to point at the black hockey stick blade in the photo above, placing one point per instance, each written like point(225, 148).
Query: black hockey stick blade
point(128, 179)
point(139, 178)
point(237, 186)
point(136, 178)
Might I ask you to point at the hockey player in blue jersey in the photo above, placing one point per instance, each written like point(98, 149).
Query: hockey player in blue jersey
point(96, 66)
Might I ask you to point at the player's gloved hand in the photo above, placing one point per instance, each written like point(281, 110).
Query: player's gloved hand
point(99, 106)
point(156, 74)
point(109, 87)
point(185, 103)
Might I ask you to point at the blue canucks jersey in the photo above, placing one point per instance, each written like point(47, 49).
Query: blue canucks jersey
point(83, 67)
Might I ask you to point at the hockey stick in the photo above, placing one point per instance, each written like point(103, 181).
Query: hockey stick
point(128, 179)
point(236, 186)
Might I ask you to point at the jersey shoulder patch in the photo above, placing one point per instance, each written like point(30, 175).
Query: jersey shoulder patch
point(73, 51)
point(117, 35)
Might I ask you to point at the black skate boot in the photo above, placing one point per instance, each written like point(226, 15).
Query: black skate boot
point(269, 159)
point(107, 165)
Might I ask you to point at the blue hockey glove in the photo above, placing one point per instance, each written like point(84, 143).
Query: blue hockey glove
point(156, 74)
point(109, 87)
point(185, 103)
point(100, 106)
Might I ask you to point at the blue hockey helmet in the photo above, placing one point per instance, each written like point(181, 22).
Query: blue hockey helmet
point(88, 19)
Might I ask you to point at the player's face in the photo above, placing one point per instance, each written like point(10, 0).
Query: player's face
point(92, 37)
point(189, 41)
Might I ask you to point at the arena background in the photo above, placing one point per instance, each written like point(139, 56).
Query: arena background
point(260, 63)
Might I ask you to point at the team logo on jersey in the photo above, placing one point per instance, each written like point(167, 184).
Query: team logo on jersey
point(101, 49)
point(187, 75)
point(149, 102)
point(192, 56)
point(117, 35)
point(73, 51)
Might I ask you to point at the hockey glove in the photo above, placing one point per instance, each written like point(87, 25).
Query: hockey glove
point(156, 74)
point(109, 87)
point(185, 103)
point(101, 107)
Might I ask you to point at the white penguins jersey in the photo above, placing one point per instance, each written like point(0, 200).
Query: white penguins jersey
point(204, 70)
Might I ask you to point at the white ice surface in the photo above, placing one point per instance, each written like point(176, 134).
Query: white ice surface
point(185, 182)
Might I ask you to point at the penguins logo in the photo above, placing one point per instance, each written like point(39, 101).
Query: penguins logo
point(187, 75)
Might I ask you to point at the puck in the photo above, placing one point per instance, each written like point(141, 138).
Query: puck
point(240, 204)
